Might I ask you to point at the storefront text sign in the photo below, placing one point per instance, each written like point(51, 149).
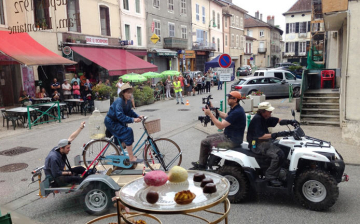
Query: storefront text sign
point(67, 53)
point(97, 40)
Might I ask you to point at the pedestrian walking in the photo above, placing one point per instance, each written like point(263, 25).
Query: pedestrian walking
point(177, 90)
point(219, 82)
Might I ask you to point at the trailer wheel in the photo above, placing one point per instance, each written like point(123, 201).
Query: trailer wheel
point(97, 198)
point(239, 185)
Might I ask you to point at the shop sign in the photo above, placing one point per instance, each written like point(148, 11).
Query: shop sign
point(68, 53)
point(200, 53)
point(169, 53)
point(188, 54)
point(97, 40)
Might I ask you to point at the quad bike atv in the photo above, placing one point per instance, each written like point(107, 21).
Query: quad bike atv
point(311, 170)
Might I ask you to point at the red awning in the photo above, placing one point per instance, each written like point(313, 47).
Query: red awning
point(116, 61)
point(25, 50)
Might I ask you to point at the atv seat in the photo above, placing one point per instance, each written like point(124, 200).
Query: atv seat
point(262, 160)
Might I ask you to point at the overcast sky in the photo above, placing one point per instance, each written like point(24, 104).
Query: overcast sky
point(267, 8)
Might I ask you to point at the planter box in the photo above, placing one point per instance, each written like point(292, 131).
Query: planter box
point(248, 105)
point(257, 99)
point(102, 105)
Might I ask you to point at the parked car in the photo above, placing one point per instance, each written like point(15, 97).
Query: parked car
point(297, 73)
point(249, 67)
point(193, 74)
point(284, 64)
point(281, 74)
point(270, 86)
point(243, 71)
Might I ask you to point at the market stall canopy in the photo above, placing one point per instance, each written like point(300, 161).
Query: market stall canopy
point(116, 61)
point(25, 50)
point(170, 72)
point(152, 75)
point(133, 77)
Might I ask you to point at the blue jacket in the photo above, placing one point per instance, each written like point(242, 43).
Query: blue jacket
point(120, 114)
point(54, 164)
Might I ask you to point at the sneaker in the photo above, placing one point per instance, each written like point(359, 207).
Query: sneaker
point(195, 164)
point(200, 167)
point(182, 103)
point(177, 103)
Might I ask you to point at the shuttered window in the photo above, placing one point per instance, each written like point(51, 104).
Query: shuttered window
point(2, 13)
point(139, 38)
point(104, 21)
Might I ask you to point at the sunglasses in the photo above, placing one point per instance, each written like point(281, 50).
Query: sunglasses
point(231, 97)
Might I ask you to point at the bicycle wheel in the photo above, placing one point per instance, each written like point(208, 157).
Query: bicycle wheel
point(169, 154)
point(93, 148)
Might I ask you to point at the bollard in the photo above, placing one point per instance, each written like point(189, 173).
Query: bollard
point(221, 109)
point(248, 120)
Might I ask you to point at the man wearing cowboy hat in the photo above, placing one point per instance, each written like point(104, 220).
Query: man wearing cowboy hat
point(120, 114)
point(259, 139)
point(233, 122)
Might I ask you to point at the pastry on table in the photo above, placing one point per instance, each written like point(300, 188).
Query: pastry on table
point(206, 181)
point(155, 178)
point(198, 177)
point(184, 197)
point(178, 174)
point(209, 188)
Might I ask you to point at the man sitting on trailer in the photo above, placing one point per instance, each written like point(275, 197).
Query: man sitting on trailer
point(56, 161)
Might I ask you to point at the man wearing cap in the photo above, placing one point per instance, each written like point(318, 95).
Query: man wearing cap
point(120, 114)
point(259, 139)
point(234, 124)
point(56, 161)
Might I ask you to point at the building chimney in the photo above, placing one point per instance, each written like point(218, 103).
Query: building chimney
point(268, 19)
point(261, 16)
point(257, 14)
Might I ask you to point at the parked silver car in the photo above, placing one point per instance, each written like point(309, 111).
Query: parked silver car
point(270, 86)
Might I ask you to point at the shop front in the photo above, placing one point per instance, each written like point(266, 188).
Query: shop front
point(19, 55)
point(164, 59)
point(200, 60)
point(186, 61)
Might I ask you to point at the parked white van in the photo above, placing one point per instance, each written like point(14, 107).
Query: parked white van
point(281, 74)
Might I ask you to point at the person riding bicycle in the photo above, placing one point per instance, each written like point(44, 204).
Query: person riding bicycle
point(57, 160)
point(119, 115)
point(259, 139)
point(234, 124)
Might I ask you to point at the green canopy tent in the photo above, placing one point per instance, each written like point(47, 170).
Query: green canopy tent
point(133, 78)
point(170, 72)
point(152, 75)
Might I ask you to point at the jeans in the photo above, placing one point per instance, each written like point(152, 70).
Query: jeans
point(168, 95)
point(207, 87)
point(219, 85)
point(178, 94)
point(217, 140)
point(276, 154)
point(76, 96)
point(75, 179)
point(199, 88)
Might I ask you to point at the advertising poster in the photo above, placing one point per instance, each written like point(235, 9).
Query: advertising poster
point(28, 80)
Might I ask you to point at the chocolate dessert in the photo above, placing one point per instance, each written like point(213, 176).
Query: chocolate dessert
point(209, 188)
point(152, 197)
point(198, 177)
point(206, 181)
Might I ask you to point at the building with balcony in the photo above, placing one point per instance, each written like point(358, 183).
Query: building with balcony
point(298, 33)
point(236, 38)
point(249, 51)
point(215, 26)
point(170, 21)
point(343, 30)
point(267, 47)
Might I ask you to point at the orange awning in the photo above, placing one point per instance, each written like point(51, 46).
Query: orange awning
point(25, 50)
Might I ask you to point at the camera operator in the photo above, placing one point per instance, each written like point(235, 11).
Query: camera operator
point(234, 124)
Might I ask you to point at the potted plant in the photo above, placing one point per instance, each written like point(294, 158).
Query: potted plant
point(258, 97)
point(44, 24)
point(102, 97)
point(78, 40)
point(68, 39)
point(247, 103)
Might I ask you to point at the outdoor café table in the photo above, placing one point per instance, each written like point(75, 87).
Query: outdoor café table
point(21, 111)
point(53, 104)
point(133, 195)
point(41, 100)
point(75, 102)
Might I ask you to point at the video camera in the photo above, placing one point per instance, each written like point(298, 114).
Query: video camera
point(206, 119)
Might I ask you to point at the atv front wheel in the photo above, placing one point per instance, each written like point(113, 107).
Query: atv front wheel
point(239, 185)
point(316, 190)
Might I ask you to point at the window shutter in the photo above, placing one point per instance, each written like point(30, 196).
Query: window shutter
point(296, 48)
point(78, 22)
point(107, 22)
point(287, 28)
point(304, 26)
point(287, 47)
point(297, 28)
point(309, 23)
